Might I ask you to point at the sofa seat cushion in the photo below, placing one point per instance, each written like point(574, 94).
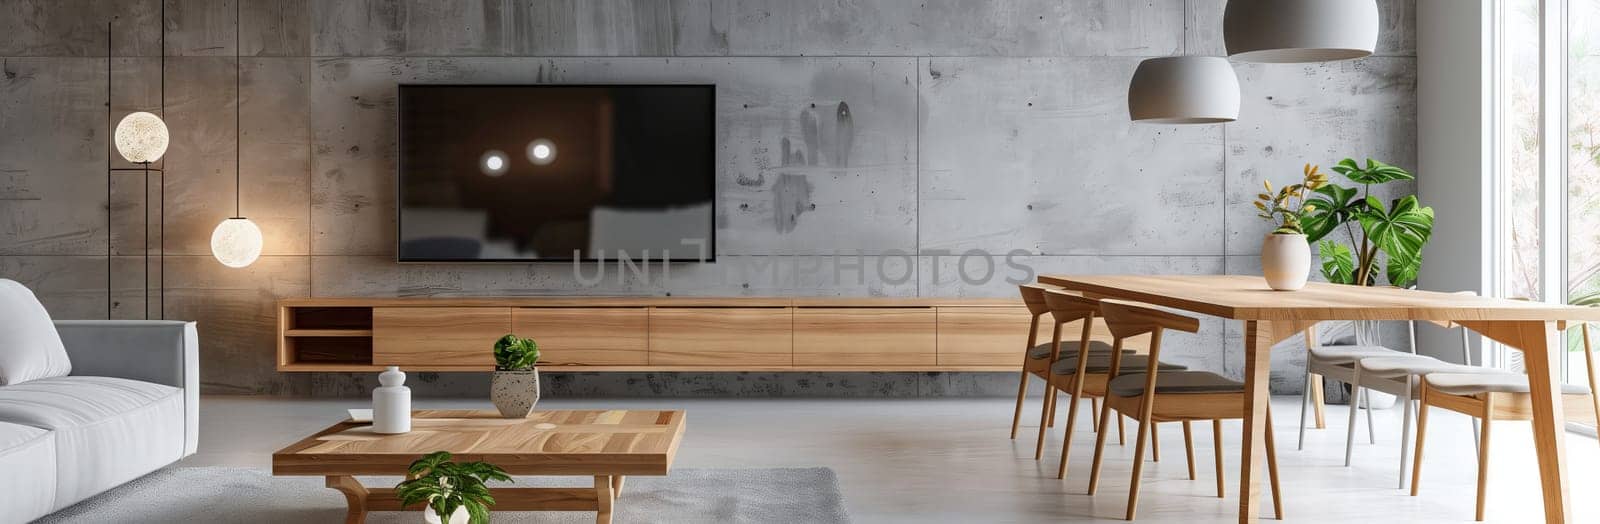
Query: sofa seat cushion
point(108, 430)
point(30, 348)
point(28, 455)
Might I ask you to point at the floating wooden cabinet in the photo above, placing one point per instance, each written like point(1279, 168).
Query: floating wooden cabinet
point(586, 336)
point(872, 337)
point(985, 336)
point(439, 337)
point(657, 333)
point(721, 337)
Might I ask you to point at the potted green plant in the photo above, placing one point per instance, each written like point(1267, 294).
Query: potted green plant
point(1392, 235)
point(1285, 252)
point(459, 490)
point(514, 388)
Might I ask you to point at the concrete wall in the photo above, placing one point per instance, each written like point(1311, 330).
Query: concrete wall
point(997, 125)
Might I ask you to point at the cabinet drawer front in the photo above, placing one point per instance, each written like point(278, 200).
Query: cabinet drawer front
point(721, 337)
point(985, 336)
point(996, 336)
point(586, 336)
point(438, 337)
point(878, 337)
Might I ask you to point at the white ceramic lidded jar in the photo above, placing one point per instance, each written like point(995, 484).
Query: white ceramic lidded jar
point(391, 403)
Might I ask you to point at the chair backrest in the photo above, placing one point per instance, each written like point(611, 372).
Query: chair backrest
point(1033, 297)
point(1130, 319)
point(1067, 306)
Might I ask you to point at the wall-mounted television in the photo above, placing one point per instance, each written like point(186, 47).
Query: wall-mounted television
point(520, 173)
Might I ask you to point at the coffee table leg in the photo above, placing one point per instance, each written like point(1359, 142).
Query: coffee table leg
point(616, 485)
point(355, 497)
point(603, 499)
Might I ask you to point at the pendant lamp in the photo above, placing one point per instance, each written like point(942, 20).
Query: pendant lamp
point(1184, 90)
point(1296, 31)
point(236, 242)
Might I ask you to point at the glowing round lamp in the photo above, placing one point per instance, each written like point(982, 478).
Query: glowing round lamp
point(541, 152)
point(236, 242)
point(1184, 90)
point(1297, 31)
point(141, 137)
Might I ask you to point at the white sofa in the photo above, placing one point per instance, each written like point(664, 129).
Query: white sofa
point(86, 406)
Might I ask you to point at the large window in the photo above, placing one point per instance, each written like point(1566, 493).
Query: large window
point(1547, 176)
point(1583, 162)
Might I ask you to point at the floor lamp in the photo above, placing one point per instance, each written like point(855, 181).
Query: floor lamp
point(141, 138)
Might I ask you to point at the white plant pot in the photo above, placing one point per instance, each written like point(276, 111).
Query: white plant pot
point(1285, 261)
point(514, 392)
point(459, 517)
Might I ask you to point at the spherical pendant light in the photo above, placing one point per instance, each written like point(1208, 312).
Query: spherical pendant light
point(1290, 31)
point(141, 137)
point(1184, 90)
point(236, 242)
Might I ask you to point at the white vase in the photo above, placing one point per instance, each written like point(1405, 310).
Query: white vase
point(391, 403)
point(460, 516)
point(1285, 261)
point(514, 392)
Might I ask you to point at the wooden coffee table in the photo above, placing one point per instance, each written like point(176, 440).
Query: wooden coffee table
point(605, 444)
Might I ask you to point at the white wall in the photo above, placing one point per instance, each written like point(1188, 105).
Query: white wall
point(1454, 151)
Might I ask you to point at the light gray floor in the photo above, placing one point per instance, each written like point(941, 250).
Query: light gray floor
point(948, 460)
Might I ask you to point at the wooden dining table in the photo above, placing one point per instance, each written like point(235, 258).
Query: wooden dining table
point(1272, 316)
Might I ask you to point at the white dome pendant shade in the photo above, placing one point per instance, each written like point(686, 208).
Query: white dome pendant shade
point(141, 137)
point(1184, 90)
point(236, 242)
point(1297, 31)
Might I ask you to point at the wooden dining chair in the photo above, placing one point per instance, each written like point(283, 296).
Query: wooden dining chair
point(1035, 356)
point(1160, 395)
point(1088, 360)
point(1496, 396)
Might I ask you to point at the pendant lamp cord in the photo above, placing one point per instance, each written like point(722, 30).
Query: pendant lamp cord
point(238, 103)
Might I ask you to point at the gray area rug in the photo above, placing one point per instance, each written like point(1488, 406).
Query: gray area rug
point(244, 495)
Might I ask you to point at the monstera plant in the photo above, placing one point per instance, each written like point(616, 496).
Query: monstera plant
point(1398, 231)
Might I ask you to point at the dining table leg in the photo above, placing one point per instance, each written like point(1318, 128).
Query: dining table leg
point(1541, 345)
point(1259, 337)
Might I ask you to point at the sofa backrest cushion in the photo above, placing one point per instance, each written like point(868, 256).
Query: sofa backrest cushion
point(30, 349)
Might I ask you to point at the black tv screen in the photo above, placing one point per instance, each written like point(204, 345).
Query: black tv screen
point(505, 173)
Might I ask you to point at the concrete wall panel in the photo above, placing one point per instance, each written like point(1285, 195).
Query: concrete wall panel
point(53, 156)
point(1039, 154)
point(957, 28)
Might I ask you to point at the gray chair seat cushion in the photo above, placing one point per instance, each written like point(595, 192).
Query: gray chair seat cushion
point(1498, 382)
point(1348, 354)
point(1175, 383)
point(1394, 367)
point(1042, 351)
point(1102, 364)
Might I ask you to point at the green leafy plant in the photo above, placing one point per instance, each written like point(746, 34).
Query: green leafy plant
point(513, 353)
point(1398, 231)
point(445, 486)
point(1287, 208)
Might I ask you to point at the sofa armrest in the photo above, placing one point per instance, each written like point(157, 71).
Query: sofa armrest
point(158, 351)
